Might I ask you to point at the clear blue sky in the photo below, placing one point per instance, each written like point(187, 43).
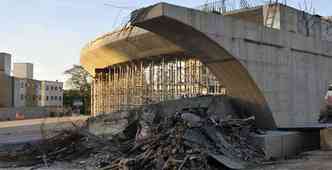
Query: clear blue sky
point(51, 33)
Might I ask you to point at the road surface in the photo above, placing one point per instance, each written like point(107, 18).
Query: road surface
point(20, 131)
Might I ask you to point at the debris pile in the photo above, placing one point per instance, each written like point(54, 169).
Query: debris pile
point(183, 140)
point(63, 146)
point(187, 141)
point(326, 114)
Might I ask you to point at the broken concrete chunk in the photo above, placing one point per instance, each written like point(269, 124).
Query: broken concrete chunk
point(191, 119)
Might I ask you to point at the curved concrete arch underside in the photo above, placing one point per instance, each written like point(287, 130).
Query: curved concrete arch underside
point(134, 43)
point(226, 67)
point(254, 63)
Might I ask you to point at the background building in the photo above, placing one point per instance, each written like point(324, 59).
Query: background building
point(35, 93)
point(51, 93)
point(23, 70)
point(5, 63)
point(26, 92)
point(5, 80)
point(22, 94)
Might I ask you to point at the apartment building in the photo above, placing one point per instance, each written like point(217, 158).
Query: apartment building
point(27, 92)
point(32, 93)
point(23, 70)
point(5, 80)
point(21, 90)
point(5, 63)
point(51, 93)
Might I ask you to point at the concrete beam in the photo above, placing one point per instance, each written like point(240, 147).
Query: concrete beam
point(122, 46)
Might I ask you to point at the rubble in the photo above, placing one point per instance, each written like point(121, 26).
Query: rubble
point(183, 140)
point(325, 114)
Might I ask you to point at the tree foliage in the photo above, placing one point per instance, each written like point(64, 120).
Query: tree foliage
point(80, 80)
point(69, 96)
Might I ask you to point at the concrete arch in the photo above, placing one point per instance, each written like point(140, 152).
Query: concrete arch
point(226, 67)
point(284, 73)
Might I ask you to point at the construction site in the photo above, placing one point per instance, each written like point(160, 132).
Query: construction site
point(216, 87)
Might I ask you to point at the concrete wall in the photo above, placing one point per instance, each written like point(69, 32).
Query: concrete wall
point(285, 144)
point(286, 18)
point(300, 22)
point(28, 112)
point(254, 15)
point(23, 70)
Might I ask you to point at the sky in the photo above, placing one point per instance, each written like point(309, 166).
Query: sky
point(51, 33)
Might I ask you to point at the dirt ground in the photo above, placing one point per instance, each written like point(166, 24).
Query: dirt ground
point(29, 130)
point(314, 160)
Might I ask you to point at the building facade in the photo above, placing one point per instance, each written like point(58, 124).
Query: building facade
point(20, 90)
point(26, 92)
point(5, 63)
point(35, 93)
point(6, 88)
point(23, 70)
point(51, 93)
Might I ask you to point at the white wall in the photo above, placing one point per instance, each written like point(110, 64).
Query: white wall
point(52, 93)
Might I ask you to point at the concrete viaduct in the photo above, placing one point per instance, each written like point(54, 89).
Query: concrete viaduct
point(281, 71)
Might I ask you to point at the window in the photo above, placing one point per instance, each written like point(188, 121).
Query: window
point(60, 98)
point(39, 98)
point(55, 97)
point(55, 88)
point(47, 88)
point(51, 88)
point(22, 85)
point(46, 98)
point(22, 97)
point(51, 97)
point(37, 86)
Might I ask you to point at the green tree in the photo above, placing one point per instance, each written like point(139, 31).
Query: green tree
point(79, 79)
point(69, 96)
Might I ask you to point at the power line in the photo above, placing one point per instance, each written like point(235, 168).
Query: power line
point(120, 7)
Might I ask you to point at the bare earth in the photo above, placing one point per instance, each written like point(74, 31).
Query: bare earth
point(314, 160)
point(27, 130)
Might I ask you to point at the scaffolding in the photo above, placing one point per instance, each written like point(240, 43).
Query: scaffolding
point(150, 80)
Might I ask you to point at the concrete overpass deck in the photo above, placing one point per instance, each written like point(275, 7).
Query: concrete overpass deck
point(278, 71)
